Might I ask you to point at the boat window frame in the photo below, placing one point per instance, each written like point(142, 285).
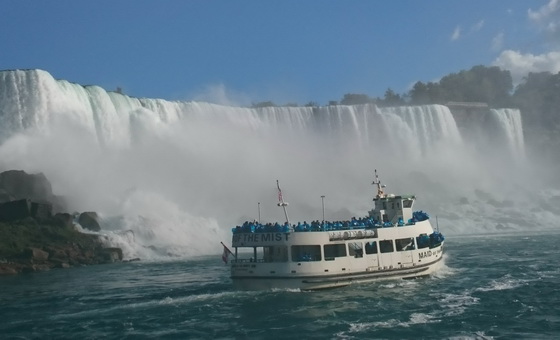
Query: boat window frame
point(383, 249)
point(356, 252)
point(404, 244)
point(275, 257)
point(373, 246)
point(308, 253)
point(340, 251)
point(422, 241)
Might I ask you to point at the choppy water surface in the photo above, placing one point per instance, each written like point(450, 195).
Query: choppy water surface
point(505, 286)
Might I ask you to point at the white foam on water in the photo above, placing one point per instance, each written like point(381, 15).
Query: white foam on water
point(456, 304)
point(504, 283)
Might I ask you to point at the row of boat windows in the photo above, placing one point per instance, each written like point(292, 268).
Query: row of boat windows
point(406, 204)
point(329, 252)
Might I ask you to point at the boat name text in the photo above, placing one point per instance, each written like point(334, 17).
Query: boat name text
point(264, 237)
point(429, 253)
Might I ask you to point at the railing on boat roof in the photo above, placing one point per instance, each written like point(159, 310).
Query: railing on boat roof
point(353, 224)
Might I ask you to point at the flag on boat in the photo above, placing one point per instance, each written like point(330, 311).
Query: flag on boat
point(226, 252)
point(225, 255)
point(280, 197)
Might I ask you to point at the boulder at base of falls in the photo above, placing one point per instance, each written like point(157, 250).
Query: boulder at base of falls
point(32, 239)
point(89, 220)
point(29, 246)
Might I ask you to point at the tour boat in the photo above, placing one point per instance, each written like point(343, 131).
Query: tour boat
point(391, 242)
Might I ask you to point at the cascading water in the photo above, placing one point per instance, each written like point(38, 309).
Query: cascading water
point(172, 178)
point(507, 124)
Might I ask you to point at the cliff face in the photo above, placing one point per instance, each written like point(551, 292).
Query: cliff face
point(28, 246)
point(32, 239)
point(17, 185)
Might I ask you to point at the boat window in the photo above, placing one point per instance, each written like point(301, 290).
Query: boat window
point(404, 244)
point(371, 247)
point(423, 241)
point(334, 250)
point(393, 205)
point(275, 254)
point(407, 203)
point(386, 246)
point(384, 205)
point(306, 253)
point(355, 249)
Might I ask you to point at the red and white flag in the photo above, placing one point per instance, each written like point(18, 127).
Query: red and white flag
point(280, 198)
point(225, 254)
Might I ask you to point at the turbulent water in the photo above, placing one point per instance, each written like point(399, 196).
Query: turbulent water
point(170, 179)
point(492, 287)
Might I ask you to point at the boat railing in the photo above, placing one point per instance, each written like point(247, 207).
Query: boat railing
point(251, 260)
point(366, 223)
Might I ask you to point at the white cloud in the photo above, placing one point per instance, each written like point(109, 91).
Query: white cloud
point(547, 17)
point(498, 42)
point(521, 64)
point(456, 33)
point(546, 11)
point(478, 26)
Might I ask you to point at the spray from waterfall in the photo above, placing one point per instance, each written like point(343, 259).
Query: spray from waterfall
point(172, 178)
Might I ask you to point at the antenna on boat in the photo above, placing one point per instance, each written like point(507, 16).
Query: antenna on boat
point(281, 202)
point(380, 192)
point(437, 225)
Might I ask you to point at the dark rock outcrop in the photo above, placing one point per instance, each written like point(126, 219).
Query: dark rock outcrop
point(27, 246)
point(15, 210)
point(64, 220)
point(89, 220)
point(112, 254)
point(18, 185)
point(20, 209)
point(36, 255)
point(32, 239)
point(21, 185)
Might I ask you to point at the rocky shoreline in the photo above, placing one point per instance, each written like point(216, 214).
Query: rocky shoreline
point(33, 239)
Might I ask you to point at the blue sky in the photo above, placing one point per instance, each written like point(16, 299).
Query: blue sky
point(238, 52)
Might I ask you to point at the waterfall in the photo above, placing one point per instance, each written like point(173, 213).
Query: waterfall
point(178, 175)
point(507, 124)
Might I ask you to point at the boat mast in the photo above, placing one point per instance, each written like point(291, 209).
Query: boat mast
point(281, 202)
point(380, 192)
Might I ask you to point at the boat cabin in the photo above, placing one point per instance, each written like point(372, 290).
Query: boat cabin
point(396, 210)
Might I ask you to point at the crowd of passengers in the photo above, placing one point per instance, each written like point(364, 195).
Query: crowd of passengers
point(354, 223)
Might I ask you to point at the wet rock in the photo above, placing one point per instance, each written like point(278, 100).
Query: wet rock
point(21, 185)
point(36, 255)
point(15, 210)
point(64, 220)
point(111, 255)
point(89, 220)
point(7, 269)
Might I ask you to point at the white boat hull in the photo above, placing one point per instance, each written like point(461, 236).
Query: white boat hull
point(333, 281)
